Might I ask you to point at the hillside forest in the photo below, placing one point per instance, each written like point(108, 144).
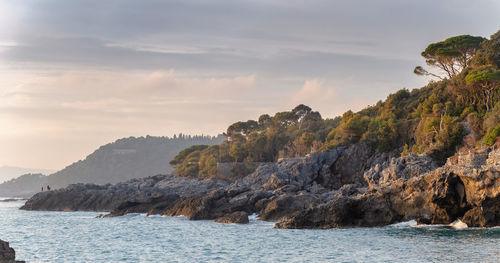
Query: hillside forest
point(458, 110)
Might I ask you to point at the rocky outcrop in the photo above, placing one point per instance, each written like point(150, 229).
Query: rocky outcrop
point(438, 196)
point(369, 210)
point(399, 168)
point(90, 197)
point(7, 254)
point(301, 173)
point(309, 192)
point(352, 164)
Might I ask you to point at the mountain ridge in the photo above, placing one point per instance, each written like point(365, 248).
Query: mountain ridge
point(8, 172)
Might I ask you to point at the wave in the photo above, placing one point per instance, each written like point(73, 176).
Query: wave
point(253, 217)
point(411, 223)
point(458, 225)
point(11, 199)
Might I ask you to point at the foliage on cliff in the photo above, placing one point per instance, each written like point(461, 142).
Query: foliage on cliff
point(286, 134)
point(463, 107)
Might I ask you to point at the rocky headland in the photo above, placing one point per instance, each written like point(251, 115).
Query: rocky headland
point(7, 254)
point(343, 187)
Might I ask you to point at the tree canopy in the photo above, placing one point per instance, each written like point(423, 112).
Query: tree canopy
point(487, 80)
point(451, 55)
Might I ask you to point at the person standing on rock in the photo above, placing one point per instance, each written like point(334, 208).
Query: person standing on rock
point(42, 188)
point(48, 187)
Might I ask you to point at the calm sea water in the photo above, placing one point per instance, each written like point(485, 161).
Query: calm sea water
point(80, 237)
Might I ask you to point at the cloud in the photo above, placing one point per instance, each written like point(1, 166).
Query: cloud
point(101, 90)
point(313, 93)
point(328, 98)
point(85, 109)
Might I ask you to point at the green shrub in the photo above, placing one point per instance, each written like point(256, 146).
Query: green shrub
point(491, 137)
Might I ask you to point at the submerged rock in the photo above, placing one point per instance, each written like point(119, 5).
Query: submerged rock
point(7, 254)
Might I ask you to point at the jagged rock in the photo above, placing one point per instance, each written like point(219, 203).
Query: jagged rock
point(439, 196)
point(154, 206)
point(299, 172)
point(351, 165)
point(239, 217)
point(484, 216)
point(288, 204)
point(370, 210)
point(317, 191)
point(7, 254)
point(194, 208)
point(399, 168)
point(216, 204)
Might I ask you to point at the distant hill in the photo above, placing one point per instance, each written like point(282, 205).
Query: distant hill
point(119, 161)
point(10, 172)
point(23, 186)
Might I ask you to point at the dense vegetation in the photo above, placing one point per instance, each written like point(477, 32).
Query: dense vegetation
point(460, 109)
point(286, 134)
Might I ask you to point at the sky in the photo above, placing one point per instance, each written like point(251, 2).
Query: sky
point(75, 75)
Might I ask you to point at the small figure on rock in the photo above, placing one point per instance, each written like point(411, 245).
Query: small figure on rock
point(42, 188)
point(48, 187)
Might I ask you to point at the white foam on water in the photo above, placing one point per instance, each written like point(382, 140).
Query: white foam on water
point(410, 223)
point(253, 217)
point(459, 225)
point(154, 215)
point(413, 223)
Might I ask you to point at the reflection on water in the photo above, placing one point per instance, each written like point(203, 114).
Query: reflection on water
point(80, 237)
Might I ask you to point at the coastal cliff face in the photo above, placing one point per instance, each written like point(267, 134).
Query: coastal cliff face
point(344, 187)
point(7, 254)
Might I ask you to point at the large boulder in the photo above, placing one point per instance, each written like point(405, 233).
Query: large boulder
point(7, 254)
point(368, 210)
point(286, 205)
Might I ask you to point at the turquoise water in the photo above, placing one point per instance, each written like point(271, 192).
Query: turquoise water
point(80, 237)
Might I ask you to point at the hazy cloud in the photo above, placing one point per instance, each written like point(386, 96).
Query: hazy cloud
point(315, 94)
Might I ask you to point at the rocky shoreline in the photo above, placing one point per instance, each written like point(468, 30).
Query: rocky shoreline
point(7, 254)
point(343, 187)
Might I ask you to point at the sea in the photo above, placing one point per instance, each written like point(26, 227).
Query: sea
point(81, 237)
